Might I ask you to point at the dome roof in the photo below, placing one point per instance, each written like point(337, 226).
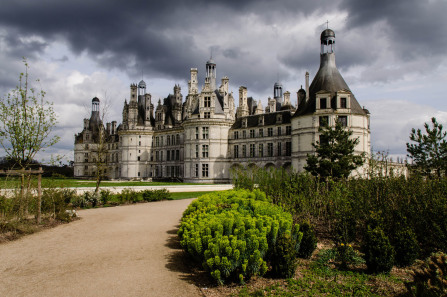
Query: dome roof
point(142, 84)
point(278, 84)
point(95, 99)
point(210, 61)
point(327, 33)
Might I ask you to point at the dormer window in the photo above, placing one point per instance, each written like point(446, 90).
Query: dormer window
point(207, 101)
point(261, 120)
point(244, 123)
point(323, 103)
point(343, 102)
point(279, 118)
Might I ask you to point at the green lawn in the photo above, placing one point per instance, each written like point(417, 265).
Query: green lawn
point(14, 182)
point(187, 195)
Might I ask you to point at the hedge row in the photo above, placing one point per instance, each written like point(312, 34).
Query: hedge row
point(239, 234)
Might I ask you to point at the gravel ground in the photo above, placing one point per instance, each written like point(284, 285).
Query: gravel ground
point(119, 251)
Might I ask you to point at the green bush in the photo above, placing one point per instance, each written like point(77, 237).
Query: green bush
point(284, 254)
point(429, 277)
point(379, 253)
point(309, 241)
point(105, 196)
point(406, 247)
point(232, 233)
point(155, 195)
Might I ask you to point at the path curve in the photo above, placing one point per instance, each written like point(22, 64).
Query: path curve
point(118, 251)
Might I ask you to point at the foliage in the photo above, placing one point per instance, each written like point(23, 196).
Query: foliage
point(233, 233)
point(429, 277)
point(26, 122)
point(379, 253)
point(155, 195)
point(334, 153)
point(406, 246)
point(284, 254)
point(429, 152)
point(308, 242)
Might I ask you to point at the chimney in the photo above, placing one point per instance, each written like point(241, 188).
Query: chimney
point(307, 86)
point(113, 127)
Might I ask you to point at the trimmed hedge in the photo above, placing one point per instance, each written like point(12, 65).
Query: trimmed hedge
point(234, 234)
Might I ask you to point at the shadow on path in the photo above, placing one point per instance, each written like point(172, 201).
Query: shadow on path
point(179, 261)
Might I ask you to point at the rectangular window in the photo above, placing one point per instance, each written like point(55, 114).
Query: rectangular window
point(288, 130)
point(279, 131)
point(197, 132)
point(157, 141)
point(139, 158)
point(244, 134)
point(207, 101)
point(236, 151)
point(343, 120)
point(168, 156)
point(252, 150)
point(196, 170)
point(270, 132)
point(261, 150)
point(323, 103)
point(161, 140)
point(204, 170)
point(168, 140)
point(156, 156)
point(197, 150)
point(288, 148)
point(205, 151)
point(205, 131)
point(161, 156)
point(261, 132)
point(252, 133)
point(236, 134)
point(279, 149)
point(323, 121)
point(177, 155)
point(244, 151)
point(270, 149)
point(343, 103)
point(206, 115)
point(177, 137)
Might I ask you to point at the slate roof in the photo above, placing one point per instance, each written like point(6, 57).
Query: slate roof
point(269, 119)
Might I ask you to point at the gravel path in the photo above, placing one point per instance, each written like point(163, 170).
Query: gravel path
point(119, 251)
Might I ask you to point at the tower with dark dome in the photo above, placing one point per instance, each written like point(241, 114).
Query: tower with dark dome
point(329, 100)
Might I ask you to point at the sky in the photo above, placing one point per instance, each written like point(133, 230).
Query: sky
point(392, 54)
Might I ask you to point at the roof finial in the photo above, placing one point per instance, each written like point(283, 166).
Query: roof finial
point(327, 24)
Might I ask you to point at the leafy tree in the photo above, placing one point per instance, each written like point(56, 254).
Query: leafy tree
point(334, 153)
point(26, 122)
point(429, 152)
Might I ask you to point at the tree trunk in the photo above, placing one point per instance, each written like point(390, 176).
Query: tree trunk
point(39, 196)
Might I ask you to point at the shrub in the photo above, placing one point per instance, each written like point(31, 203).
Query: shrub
point(379, 254)
point(232, 233)
point(128, 195)
point(155, 195)
point(429, 277)
point(309, 241)
point(406, 247)
point(284, 254)
point(105, 196)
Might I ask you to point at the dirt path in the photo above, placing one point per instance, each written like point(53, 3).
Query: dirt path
point(119, 251)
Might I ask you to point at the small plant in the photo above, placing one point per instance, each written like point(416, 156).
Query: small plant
point(379, 253)
point(406, 247)
point(346, 255)
point(309, 241)
point(105, 196)
point(284, 256)
point(429, 277)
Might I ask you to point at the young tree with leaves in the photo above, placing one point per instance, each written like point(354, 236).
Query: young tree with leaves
point(334, 153)
point(26, 124)
point(429, 150)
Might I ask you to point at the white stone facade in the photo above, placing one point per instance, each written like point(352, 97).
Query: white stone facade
point(204, 137)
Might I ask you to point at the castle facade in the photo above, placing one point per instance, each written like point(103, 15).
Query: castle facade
point(204, 137)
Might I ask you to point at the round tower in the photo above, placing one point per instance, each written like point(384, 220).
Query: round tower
point(211, 73)
point(327, 42)
point(141, 88)
point(277, 92)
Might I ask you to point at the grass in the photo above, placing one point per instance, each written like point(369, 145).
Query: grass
point(47, 182)
point(187, 195)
